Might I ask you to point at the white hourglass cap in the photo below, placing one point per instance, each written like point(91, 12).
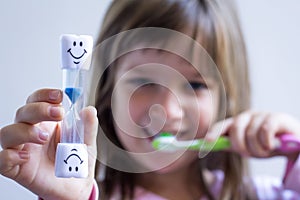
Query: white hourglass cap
point(76, 51)
point(71, 160)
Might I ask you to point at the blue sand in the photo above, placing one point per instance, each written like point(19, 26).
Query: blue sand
point(73, 93)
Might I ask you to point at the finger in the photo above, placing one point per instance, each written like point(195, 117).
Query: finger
point(218, 129)
point(237, 134)
point(13, 136)
point(282, 123)
point(268, 129)
point(46, 95)
point(254, 144)
point(89, 116)
point(276, 124)
point(37, 112)
point(10, 161)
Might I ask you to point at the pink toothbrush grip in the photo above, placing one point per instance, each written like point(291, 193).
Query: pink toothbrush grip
point(289, 143)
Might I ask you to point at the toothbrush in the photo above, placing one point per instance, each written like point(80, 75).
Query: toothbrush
point(168, 142)
point(285, 143)
point(71, 154)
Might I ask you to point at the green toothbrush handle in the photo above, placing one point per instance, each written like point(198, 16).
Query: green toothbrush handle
point(222, 143)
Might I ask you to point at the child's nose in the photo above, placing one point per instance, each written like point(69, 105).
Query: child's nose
point(172, 106)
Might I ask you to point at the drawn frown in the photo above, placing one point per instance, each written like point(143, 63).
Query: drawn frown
point(71, 160)
point(76, 161)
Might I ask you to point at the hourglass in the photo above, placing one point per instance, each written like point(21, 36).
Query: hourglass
point(71, 154)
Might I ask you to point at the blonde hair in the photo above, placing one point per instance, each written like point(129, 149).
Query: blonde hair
point(217, 24)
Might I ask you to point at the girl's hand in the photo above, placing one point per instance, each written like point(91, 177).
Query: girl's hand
point(253, 133)
point(29, 147)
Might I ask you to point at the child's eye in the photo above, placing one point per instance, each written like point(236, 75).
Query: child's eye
point(198, 86)
point(141, 82)
point(138, 81)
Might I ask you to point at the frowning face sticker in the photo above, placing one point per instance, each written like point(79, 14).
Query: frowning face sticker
point(76, 51)
point(73, 161)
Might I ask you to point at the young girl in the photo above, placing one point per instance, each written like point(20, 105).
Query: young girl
point(155, 77)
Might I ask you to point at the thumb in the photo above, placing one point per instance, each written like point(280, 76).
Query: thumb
point(89, 117)
point(218, 129)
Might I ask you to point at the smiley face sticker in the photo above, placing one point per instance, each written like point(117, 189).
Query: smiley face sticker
point(76, 51)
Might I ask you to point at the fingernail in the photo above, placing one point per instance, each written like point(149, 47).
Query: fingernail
point(210, 137)
point(24, 155)
point(94, 110)
point(43, 136)
point(54, 95)
point(55, 112)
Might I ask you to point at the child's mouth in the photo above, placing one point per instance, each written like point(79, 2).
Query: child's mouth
point(149, 136)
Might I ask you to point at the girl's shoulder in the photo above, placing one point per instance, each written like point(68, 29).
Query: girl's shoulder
point(273, 188)
point(266, 187)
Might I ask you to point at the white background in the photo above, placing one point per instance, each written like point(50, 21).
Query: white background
point(29, 57)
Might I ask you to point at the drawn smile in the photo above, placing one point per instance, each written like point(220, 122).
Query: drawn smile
point(75, 57)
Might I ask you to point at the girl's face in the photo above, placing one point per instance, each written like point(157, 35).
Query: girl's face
point(160, 92)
